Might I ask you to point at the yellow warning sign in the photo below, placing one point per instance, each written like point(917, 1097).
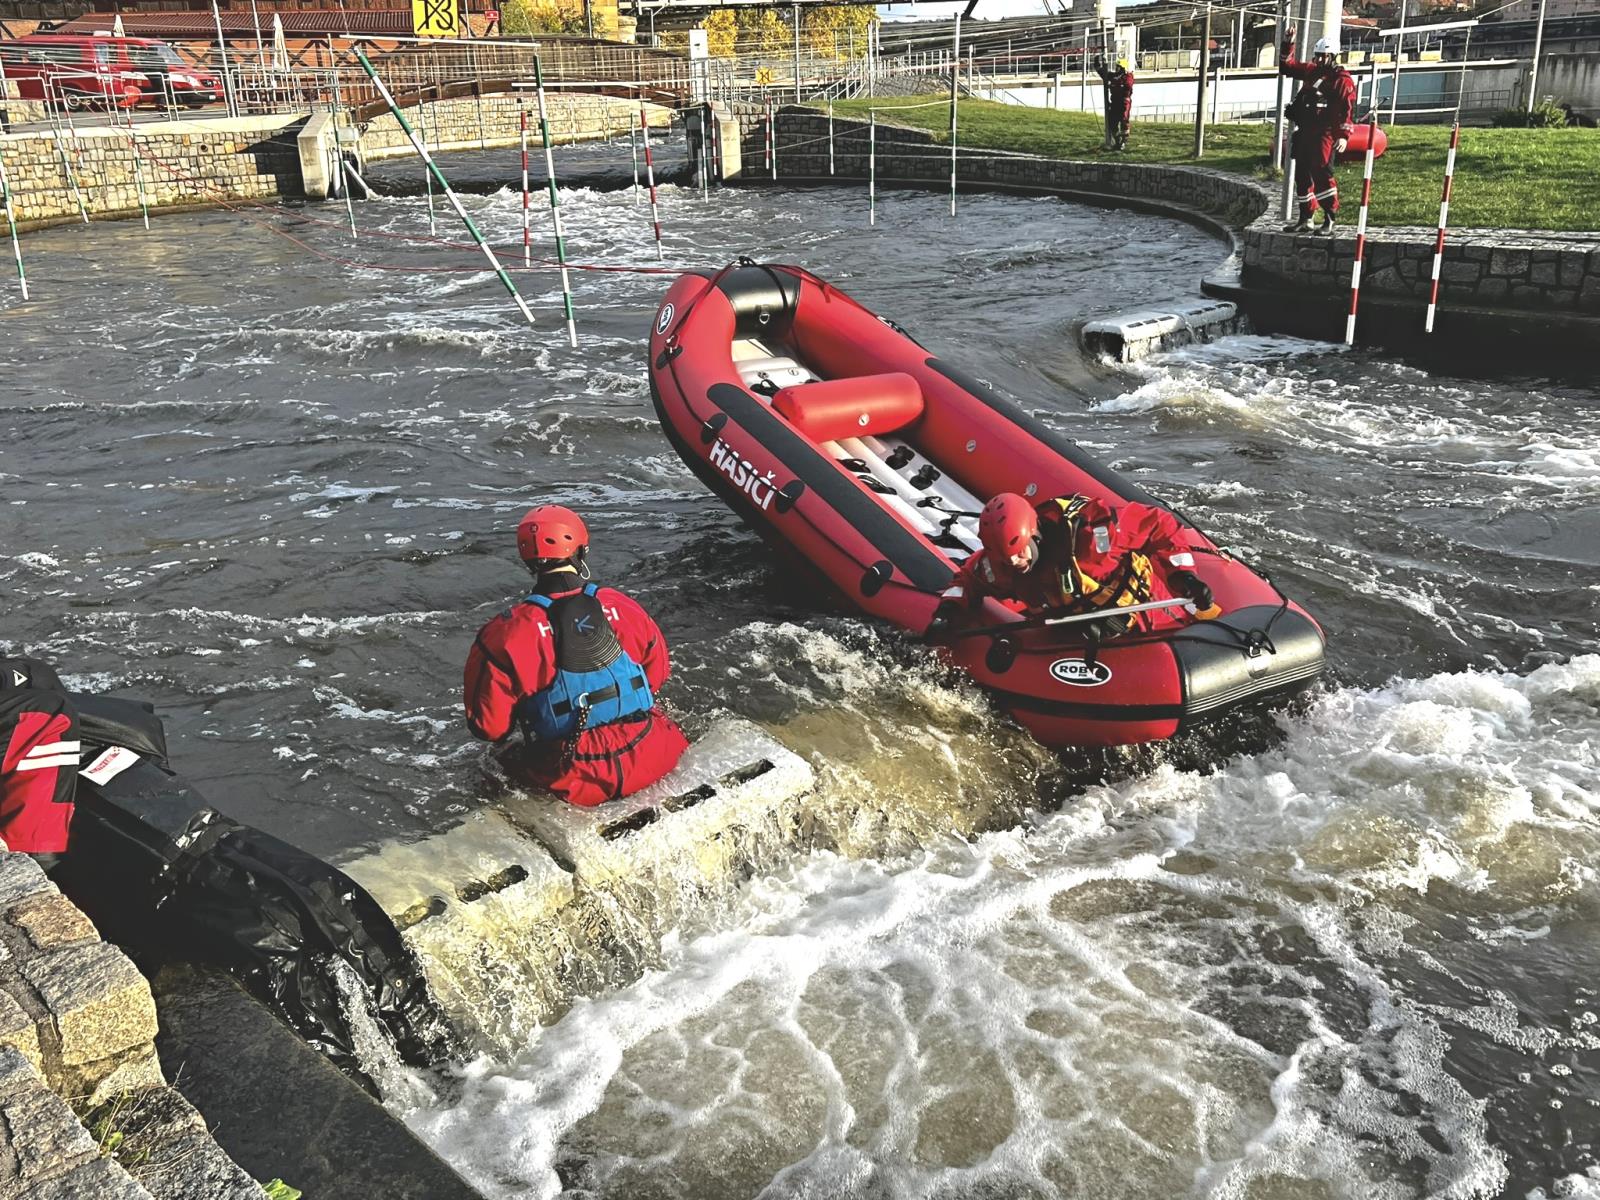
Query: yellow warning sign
point(763, 75)
point(435, 18)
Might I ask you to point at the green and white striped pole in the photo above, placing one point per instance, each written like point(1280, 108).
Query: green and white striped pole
point(11, 220)
point(444, 186)
point(555, 203)
point(422, 122)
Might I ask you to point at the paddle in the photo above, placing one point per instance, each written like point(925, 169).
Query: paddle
point(1076, 618)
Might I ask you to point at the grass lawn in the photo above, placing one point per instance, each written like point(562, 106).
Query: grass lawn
point(1505, 178)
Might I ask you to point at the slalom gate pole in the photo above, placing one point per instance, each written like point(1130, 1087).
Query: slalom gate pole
point(772, 138)
point(422, 124)
point(872, 168)
point(633, 144)
point(1361, 232)
point(1444, 219)
point(444, 186)
point(705, 152)
point(72, 180)
point(11, 222)
point(650, 178)
point(527, 236)
point(830, 137)
point(555, 204)
point(955, 92)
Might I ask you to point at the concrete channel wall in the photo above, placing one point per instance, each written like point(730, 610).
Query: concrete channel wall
point(1527, 276)
point(207, 162)
point(84, 1108)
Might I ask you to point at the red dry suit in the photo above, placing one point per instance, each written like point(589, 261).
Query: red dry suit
point(39, 754)
point(1119, 102)
point(1323, 112)
point(1091, 556)
point(513, 663)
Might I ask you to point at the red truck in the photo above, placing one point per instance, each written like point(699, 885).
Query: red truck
point(82, 70)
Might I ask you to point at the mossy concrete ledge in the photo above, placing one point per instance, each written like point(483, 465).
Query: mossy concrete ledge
point(1506, 295)
point(84, 1108)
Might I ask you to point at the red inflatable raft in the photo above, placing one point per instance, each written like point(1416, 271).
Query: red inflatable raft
point(841, 440)
point(1356, 148)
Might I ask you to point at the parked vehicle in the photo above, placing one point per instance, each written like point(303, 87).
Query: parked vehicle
point(90, 68)
point(78, 71)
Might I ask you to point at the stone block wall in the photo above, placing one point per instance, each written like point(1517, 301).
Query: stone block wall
point(180, 165)
point(495, 120)
point(1505, 269)
point(77, 1031)
point(1525, 271)
point(912, 156)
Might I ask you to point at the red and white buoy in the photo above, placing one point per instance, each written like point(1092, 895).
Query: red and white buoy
point(1444, 219)
point(1361, 232)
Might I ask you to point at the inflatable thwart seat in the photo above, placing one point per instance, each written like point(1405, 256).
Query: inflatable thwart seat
point(852, 448)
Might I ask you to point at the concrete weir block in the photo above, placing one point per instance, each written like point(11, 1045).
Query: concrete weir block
point(735, 777)
point(480, 883)
point(1129, 337)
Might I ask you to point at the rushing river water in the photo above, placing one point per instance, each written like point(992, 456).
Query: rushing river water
point(1351, 952)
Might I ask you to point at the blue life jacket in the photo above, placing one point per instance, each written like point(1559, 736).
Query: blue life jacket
point(597, 682)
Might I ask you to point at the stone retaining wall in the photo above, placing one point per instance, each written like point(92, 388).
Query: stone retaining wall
point(181, 164)
point(472, 123)
point(77, 1031)
point(1520, 271)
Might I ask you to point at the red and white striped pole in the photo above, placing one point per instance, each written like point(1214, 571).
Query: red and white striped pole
point(1444, 218)
point(650, 177)
point(527, 238)
point(1361, 231)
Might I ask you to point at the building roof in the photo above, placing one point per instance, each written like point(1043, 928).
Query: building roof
point(192, 26)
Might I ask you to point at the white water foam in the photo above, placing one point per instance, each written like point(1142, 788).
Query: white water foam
point(1099, 1003)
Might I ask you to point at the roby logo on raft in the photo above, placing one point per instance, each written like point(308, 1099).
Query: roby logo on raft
point(665, 318)
point(744, 474)
point(1078, 673)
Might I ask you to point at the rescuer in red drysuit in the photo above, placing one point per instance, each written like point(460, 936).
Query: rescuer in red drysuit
point(1077, 554)
point(39, 767)
point(575, 666)
point(1323, 113)
point(1119, 100)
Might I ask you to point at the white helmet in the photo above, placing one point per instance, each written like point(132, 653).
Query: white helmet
point(1325, 46)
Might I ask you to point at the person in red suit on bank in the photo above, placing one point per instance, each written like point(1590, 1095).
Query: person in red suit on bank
point(1119, 100)
point(1076, 554)
point(39, 753)
point(576, 667)
point(1323, 113)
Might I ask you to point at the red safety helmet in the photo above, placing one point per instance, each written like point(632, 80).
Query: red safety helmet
point(1007, 527)
point(551, 532)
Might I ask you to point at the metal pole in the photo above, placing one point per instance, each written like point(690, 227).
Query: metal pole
point(444, 186)
point(527, 236)
point(1399, 46)
point(222, 51)
point(261, 47)
point(338, 149)
point(650, 175)
point(1288, 157)
point(1083, 72)
point(422, 121)
point(955, 93)
point(11, 222)
point(872, 168)
point(1205, 74)
point(1538, 46)
point(1361, 231)
point(1444, 219)
point(797, 54)
point(555, 206)
point(72, 180)
point(633, 144)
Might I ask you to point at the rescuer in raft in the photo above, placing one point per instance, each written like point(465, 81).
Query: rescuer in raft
point(1323, 113)
point(575, 666)
point(1119, 100)
point(1075, 554)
